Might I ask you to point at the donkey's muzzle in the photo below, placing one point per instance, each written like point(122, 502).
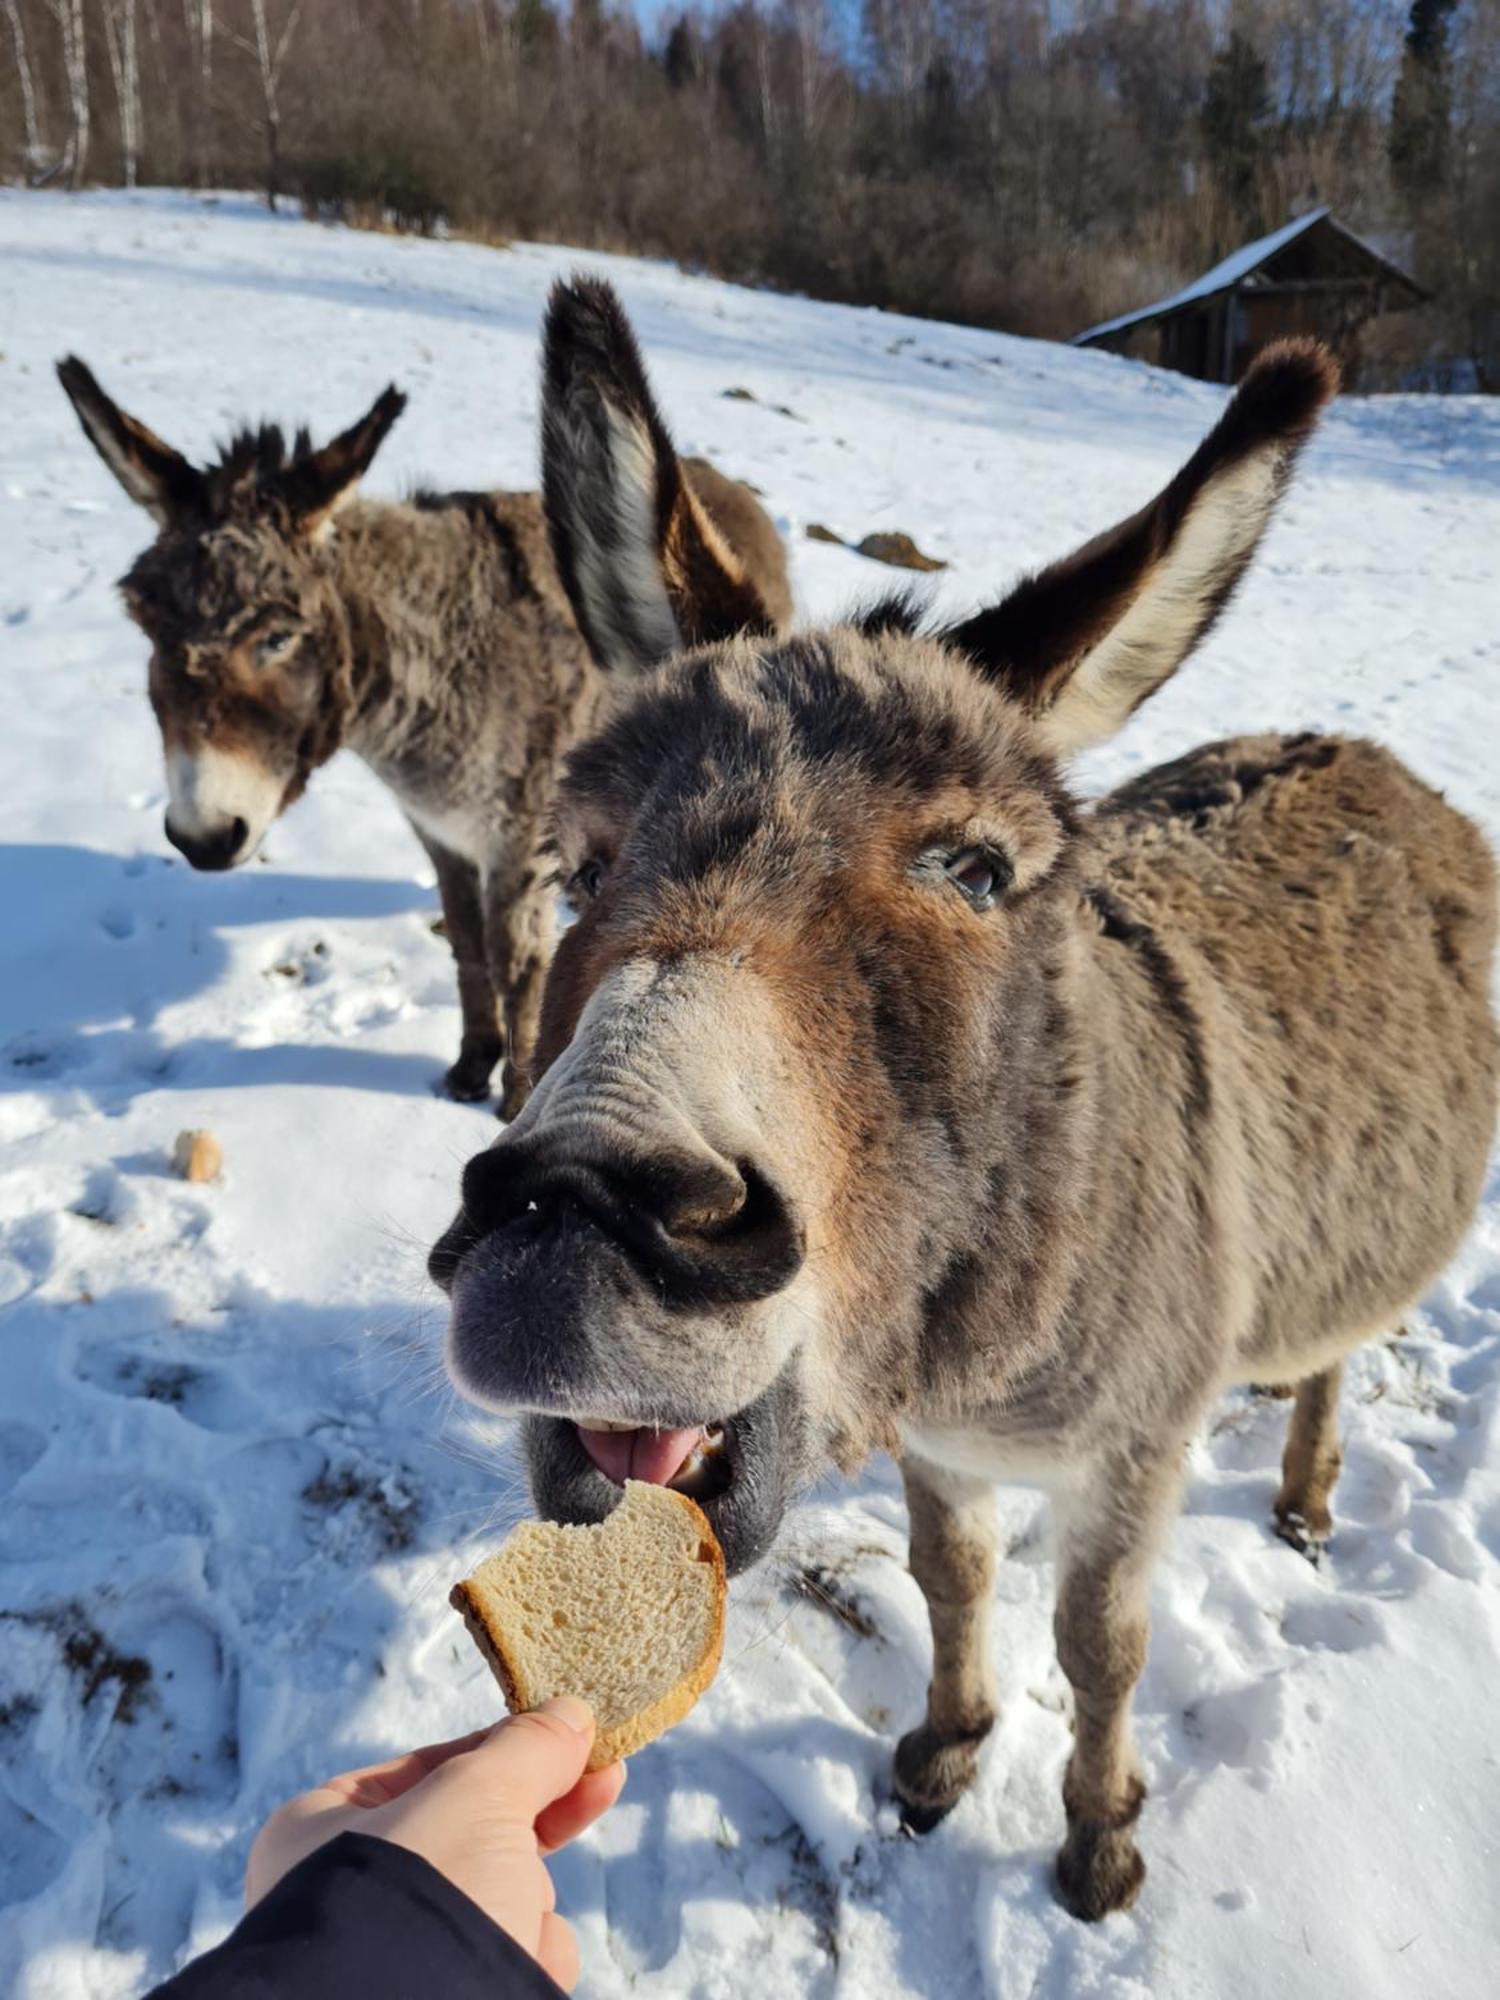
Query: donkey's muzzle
point(214, 851)
point(702, 1231)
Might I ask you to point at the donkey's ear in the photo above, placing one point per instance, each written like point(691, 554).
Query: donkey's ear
point(314, 487)
point(156, 477)
point(645, 568)
point(1083, 643)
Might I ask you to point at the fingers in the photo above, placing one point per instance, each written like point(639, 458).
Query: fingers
point(537, 1758)
point(567, 1817)
point(378, 1784)
point(557, 1951)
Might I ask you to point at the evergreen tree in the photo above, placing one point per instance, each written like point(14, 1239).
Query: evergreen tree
point(1422, 107)
point(680, 57)
point(1236, 118)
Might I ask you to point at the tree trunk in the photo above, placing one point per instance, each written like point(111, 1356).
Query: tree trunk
point(269, 60)
point(28, 86)
point(124, 65)
point(198, 20)
point(69, 17)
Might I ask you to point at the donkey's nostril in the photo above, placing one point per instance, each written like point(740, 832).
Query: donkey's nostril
point(746, 1249)
point(702, 1200)
point(699, 1225)
point(209, 851)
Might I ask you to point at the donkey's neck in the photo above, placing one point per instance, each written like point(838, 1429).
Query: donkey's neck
point(396, 567)
point(466, 668)
point(1107, 1168)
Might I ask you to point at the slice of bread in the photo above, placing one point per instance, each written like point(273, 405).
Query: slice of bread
point(629, 1615)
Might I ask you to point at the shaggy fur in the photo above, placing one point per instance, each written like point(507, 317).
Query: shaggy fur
point(891, 1096)
point(288, 617)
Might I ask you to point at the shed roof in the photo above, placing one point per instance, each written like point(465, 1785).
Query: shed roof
point(1236, 267)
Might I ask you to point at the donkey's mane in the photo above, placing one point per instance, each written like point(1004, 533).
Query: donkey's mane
point(256, 458)
point(899, 614)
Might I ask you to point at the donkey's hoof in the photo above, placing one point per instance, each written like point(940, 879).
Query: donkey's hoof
point(1309, 1539)
point(1099, 1871)
point(932, 1775)
point(467, 1082)
point(917, 1820)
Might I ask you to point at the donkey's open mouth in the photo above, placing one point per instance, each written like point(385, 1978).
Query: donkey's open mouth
point(691, 1460)
point(554, 1317)
point(738, 1470)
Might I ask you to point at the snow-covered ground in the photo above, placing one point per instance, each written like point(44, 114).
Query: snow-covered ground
point(233, 1491)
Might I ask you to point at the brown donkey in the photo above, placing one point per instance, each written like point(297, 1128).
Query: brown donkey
point(891, 1096)
point(288, 617)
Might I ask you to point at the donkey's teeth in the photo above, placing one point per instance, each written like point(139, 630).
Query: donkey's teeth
point(706, 1470)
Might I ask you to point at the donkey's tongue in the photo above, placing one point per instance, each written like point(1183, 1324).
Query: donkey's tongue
point(655, 1456)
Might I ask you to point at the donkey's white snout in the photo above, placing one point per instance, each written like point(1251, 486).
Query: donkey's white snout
point(220, 804)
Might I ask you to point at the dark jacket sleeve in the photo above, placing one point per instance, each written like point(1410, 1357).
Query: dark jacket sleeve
point(363, 1917)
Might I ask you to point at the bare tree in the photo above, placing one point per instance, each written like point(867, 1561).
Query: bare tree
point(124, 67)
point(28, 85)
point(270, 54)
point(198, 20)
point(69, 17)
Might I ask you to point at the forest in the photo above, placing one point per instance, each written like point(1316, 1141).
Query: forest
point(1009, 163)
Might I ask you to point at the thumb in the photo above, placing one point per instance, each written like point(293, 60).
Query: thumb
point(535, 1758)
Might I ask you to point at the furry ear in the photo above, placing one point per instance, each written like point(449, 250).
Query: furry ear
point(317, 484)
point(645, 568)
point(1082, 644)
point(156, 477)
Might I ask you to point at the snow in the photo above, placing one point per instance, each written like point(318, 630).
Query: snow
point(225, 1448)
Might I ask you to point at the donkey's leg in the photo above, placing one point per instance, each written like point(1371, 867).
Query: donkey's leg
point(953, 1560)
point(520, 923)
point(463, 920)
point(1104, 1566)
point(1310, 1464)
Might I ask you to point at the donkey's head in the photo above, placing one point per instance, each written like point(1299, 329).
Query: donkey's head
point(250, 653)
point(810, 1079)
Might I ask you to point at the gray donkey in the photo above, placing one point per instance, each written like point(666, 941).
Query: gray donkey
point(288, 617)
point(889, 1095)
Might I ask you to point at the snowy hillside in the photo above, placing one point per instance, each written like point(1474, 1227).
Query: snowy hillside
point(233, 1489)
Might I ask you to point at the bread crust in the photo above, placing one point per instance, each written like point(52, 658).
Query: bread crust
point(624, 1738)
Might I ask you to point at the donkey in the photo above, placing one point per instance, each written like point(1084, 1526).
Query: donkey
point(891, 1096)
point(288, 617)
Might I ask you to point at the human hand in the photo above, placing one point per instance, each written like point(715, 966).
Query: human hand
point(483, 1810)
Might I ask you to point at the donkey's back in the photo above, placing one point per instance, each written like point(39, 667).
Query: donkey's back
point(1334, 921)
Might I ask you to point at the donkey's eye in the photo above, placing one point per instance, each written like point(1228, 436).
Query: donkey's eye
point(588, 881)
point(275, 646)
point(980, 874)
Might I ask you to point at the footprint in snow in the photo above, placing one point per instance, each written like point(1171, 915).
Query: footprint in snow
point(41, 1057)
point(1440, 1534)
point(1333, 1625)
point(202, 1396)
point(20, 1448)
point(1241, 1726)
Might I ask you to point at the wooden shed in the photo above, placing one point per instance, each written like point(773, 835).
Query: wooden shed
point(1311, 276)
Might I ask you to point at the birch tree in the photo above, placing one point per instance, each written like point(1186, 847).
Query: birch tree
point(28, 85)
point(68, 15)
point(124, 67)
point(198, 20)
point(269, 51)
